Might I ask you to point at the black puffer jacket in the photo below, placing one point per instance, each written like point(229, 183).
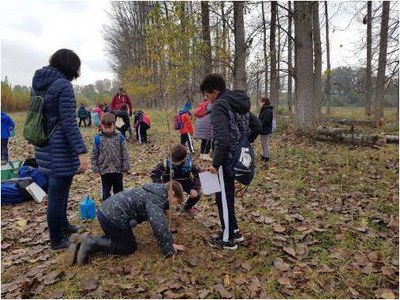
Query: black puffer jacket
point(147, 203)
point(231, 118)
point(265, 116)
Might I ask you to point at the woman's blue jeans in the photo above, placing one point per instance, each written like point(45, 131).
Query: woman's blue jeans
point(57, 207)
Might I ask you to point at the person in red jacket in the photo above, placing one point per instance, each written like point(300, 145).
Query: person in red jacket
point(186, 131)
point(121, 97)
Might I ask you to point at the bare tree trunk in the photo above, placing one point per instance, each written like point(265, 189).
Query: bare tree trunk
point(328, 64)
point(274, 94)
point(224, 39)
point(278, 60)
point(368, 75)
point(317, 60)
point(265, 49)
point(239, 73)
point(290, 66)
point(380, 80)
point(205, 21)
point(304, 75)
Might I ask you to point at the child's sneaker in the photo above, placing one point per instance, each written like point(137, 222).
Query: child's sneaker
point(237, 236)
point(219, 243)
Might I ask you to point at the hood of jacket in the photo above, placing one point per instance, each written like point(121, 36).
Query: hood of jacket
point(45, 76)
point(159, 190)
point(238, 99)
point(267, 107)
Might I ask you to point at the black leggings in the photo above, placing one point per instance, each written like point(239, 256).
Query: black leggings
point(205, 146)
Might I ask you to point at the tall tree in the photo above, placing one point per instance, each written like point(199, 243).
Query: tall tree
point(380, 80)
point(265, 49)
point(290, 64)
point(239, 68)
point(304, 119)
point(317, 60)
point(368, 71)
point(274, 89)
point(205, 22)
point(328, 71)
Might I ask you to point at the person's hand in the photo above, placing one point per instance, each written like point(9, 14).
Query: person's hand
point(97, 174)
point(179, 247)
point(193, 193)
point(84, 164)
point(212, 170)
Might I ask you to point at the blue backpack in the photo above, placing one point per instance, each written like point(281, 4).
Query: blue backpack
point(95, 119)
point(97, 140)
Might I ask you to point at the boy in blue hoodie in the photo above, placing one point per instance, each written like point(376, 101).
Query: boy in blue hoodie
point(7, 129)
point(125, 210)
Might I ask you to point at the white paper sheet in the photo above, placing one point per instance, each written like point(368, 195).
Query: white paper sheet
point(36, 192)
point(209, 183)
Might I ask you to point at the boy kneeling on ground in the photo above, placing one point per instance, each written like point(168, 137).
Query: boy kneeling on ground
point(184, 171)
point(125, 210)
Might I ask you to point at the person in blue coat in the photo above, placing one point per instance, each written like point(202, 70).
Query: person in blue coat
point(63, 155)
point(7, 127)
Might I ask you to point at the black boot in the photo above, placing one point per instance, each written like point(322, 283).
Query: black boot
point(72, 251)
point(91, 245)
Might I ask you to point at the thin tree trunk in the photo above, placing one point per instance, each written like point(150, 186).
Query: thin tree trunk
point(239, 74)
point(274, 75)
point(290, 66)
point(368, 75)
point(205, 21)
point(380, 80)
point(317, 60)
point(328, 64)
point(265, 50)
point(304, 75)
point(224, 40)
point(278, 60)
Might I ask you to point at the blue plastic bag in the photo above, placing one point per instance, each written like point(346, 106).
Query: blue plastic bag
point(87, 208)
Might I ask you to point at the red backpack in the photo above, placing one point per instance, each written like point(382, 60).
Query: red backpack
point(201, 110)
point(146, 119)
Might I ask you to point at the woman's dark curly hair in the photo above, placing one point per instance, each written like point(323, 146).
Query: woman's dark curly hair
point(67, 62)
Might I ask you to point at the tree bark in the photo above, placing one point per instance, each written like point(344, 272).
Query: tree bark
point(328, 63)
point(239, 68)
point(304, 118)
point(274, 93)
point(205, 21)
point(317, 60)
point(368, 75)
point(265, 49)
point(290, 65)
point(380, 80)
point(341, 135)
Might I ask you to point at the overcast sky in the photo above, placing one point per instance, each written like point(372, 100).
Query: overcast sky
point(33, 30)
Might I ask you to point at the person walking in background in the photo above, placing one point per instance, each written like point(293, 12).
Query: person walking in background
point(203, 128)
point(109, 158)
point(96, 114)
point(82, 115)
point(63, 155)
point(89, 117)
point(106, 107)
point(186, 131)
point(7, 131)
point(231, 119)
point(120, 98)
point(142, 124)
point(266, 115)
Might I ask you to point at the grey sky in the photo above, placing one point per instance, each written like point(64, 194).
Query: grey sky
point(32, 30)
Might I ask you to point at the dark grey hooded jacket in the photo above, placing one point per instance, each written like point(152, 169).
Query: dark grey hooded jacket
point(147, 203)
point(231, 119)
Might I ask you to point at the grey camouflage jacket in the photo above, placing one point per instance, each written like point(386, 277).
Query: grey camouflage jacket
point(147, 203)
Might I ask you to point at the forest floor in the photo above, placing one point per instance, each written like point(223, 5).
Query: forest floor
point(321, 222)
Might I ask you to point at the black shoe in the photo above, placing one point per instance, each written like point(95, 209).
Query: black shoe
point(72, 229)
point(63, 244)
point(219, 243)
point(237, 236)
point(91, 245)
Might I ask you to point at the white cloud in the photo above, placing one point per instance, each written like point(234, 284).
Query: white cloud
point(31, 31)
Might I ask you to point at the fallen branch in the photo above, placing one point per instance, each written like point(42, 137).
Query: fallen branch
point(369, 123)
point(342, 135)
